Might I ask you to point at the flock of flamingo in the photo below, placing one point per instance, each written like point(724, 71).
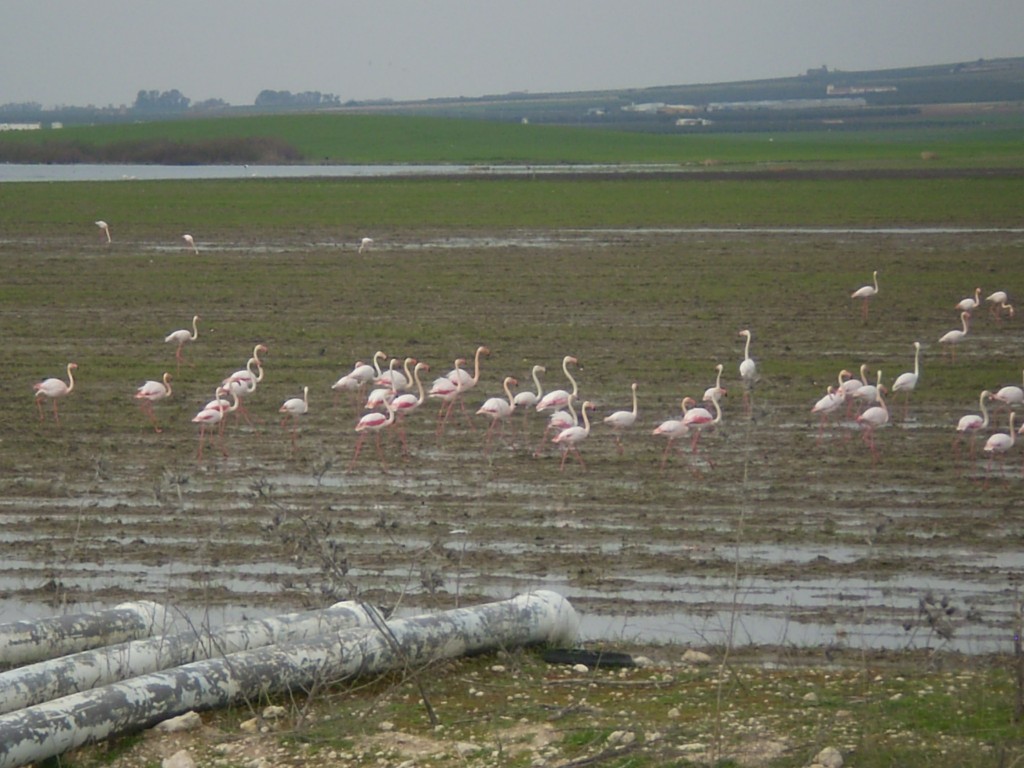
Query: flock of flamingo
point(398, 390)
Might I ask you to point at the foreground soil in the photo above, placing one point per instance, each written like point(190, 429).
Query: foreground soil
point(766, 535)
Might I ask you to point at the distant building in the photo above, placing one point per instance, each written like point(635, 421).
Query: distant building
point(693, 122)
point(853, 90)
point(20, 126)
point(652, 106)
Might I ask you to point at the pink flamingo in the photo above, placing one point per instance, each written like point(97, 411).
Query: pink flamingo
point(558, 422)
point(54, 389)
point(972, 424)
point(210, 417)
point(907, 382)
point(446, 390)
point(874, 417)
point(374, 422)
point(498, 410)
point(191, 243)
point(243, 383)
point(466, 381)
point(294, 407)
point(559, 398)
point(673, 429)
point(698, 419)
point(869, 393)
point(748, 373)
point(104, 229)
point(397, 380)
point(527, 399)
point(620, 421)
point(1009, 396)
point(848, 386)
point(865, 293)
point(182, 337)
point(998, 303)
point(717, 390)
point(999, 444)
point(152, 392)
point(971, 303)
point(406, 403)
point(569, 439)
point(954, 337)
point(827, 405)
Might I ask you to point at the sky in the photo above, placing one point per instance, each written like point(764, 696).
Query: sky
point(103, 52)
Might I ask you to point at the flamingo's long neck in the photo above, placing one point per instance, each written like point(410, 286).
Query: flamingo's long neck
point(195, 329)
point(476, 365)
point(377, 357)
point(917, 360)
point(71, 377)
point(718, 411)
point(508, 392)
point(984, 411)
point(575, 386)
point(586, 420)
point(167, 384)
point(634, 401)
point(536, 382)
point(419, 384)
point(718, 378)
point(874, 279)
point(746, 348)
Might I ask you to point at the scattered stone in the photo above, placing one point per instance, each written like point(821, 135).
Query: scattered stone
point(187, 722)
point(467, 748)
point(180, 759)
point(274, 712)
point(580, 669)
point(696, 658)
point(252, 725)
point(811, 698)
point(620, 738)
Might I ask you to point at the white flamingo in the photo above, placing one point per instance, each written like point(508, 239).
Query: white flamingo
point(569, 439)
point(907, 382)
point(558, 399)
point(55, 389)
point(498, 410)
point(182, 337)
point(620, 421)
point(865, 293)
point(152, 392)
point(954, 337)
point(748, 372)
point(972, 424)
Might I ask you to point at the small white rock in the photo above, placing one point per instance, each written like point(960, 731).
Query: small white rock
point(696, 658)
point(252, 725)
point(830, 757)
point(580, 669)
point(274, 712)
point(180, 759)
point(466, 748)
point(811, 698)
point(187, 722)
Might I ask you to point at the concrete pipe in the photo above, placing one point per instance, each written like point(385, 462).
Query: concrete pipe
point(22, 642)
point(53, 678)
point(52, 728)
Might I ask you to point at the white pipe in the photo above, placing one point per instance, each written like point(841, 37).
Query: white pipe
point(53, 678)
point(50, 729)
point(22, 642)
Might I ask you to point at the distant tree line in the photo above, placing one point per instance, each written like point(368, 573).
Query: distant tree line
point(306, 99)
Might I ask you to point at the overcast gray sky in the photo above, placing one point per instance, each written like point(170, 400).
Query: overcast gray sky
point(103, 52)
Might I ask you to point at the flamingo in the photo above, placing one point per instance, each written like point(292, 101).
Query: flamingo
point(151, 392)
point(748, 372)
point(1010, 396)
point(498, 410)
point(906, 382)
point(360, 376)
point(954, 337)
point(874, 417)
point(373, 422)
point(446, 390)
point(969, 304)
point(407, 403)
point(570, 439)
point(191, 243)
point(104, 229)
point(209, 417)
point(827, 405)
point(673, 429)
point(242, 383)
point(998, 303)
point(620, 421)
point(972, 423)
point(294, 407)
point(527, 399)
point(54, 389)
point(466, 382)
point(557, 422)
point(999, 444)
point(698, 419)
point(182, 337)
point(397, 380)
point(559, 398)
point(365, 244)
point(848, 385)
point(718, 390)
point(868, 393)
point(865, 293)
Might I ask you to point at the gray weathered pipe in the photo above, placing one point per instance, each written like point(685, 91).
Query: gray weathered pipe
point(52, 728)
point(22, 642)
point(53, 678)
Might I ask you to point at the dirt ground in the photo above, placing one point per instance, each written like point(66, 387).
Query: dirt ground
point(765, 535)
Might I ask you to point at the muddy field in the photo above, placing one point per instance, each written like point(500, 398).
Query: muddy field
point(767, 535)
